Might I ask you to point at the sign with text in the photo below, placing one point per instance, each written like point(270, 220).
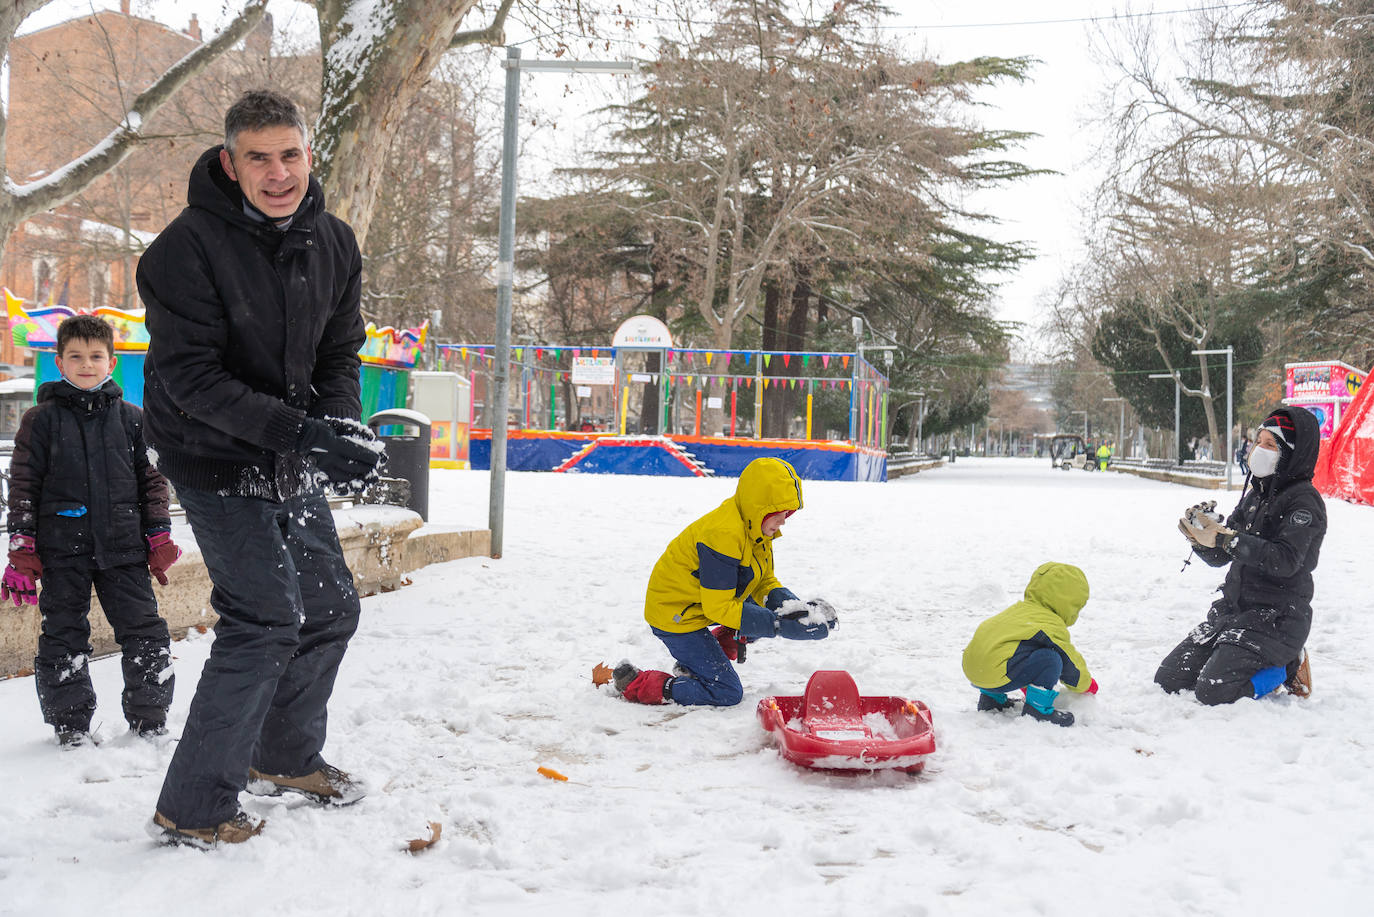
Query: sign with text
point(593, 371)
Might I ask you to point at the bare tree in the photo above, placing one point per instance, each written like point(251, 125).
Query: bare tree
point(18, 201)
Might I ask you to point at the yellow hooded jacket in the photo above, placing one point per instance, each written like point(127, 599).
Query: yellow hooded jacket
point(1054, 596)
point(707, 572)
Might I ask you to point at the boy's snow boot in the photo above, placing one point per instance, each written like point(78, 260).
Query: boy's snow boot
point(146, 729)
point(327, 786)
point(1299, 683)
point(74, 738)
point(993, 700)
point(623, 674)
point(1040, 706)
point(234, 831)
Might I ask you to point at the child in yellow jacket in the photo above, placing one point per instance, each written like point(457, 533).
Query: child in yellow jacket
point(715, 584)
point(1027, 646)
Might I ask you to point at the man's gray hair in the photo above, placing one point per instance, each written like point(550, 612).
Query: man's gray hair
point(257, 109)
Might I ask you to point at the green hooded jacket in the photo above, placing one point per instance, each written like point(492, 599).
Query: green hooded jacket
point(718, 561)
point(1055, 595)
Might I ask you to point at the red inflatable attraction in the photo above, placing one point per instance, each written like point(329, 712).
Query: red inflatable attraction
point(1345, 467)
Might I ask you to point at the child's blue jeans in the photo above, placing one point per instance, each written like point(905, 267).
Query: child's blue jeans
point(711, 678)
point(1042, 667)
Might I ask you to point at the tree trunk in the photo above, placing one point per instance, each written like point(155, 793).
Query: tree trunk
point(795, 340)
point(1208, 404)
point(377, 56)
point(772, 413)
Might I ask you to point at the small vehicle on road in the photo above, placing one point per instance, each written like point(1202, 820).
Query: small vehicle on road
point(1069, 451)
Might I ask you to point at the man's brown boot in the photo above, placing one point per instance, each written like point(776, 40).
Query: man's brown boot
point(234, 831)
point(327, 786)
point(1299, 684)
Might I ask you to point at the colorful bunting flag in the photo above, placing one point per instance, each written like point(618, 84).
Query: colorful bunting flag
point(825, 360)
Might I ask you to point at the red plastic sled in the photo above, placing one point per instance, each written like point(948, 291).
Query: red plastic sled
point(831, 727)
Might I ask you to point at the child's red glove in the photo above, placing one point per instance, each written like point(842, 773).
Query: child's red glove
point(19, 579)
point(162, 553)
point(1092, 688)
point(729, 641)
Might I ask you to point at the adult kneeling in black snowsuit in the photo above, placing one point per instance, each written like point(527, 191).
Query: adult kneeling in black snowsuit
point(1252, 640)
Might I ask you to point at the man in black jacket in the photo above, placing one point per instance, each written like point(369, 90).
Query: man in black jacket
point(1252, 640)
point(251, 399)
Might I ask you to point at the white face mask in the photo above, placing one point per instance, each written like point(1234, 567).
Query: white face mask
point(73, 384)
point(1264, 462)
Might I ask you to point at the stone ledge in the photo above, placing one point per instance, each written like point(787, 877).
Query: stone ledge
point(381, 545)
point(1207, 482)
point(912, 466)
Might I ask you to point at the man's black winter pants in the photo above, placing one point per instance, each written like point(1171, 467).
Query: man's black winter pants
point(287, 608)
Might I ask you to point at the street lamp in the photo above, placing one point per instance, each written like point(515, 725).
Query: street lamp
point(1085, 424)
point(1178, 387)
point(1230, 454)
point(505, 266)
point(1121, 421)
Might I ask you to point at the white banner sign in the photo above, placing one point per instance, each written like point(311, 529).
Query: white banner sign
point(593, 371)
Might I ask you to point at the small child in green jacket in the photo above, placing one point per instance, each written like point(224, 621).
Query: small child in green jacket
point(1027, 647)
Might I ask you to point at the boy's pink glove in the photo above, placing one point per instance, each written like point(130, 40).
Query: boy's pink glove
point(162, 553)
point(1092, 688)
point(20, 579)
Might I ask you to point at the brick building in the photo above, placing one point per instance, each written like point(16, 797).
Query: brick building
point(69, 86)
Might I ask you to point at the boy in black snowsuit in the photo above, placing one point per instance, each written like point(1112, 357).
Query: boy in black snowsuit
point(1252, 640)
point(86, 507)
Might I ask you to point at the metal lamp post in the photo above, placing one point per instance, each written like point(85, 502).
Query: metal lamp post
point(505, 266)
point(1178, 387)
point(1230, 453)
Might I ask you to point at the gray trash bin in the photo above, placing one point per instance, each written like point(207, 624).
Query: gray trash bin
point(407, 452)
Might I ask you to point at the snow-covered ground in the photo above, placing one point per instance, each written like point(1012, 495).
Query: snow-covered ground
point(459, 686)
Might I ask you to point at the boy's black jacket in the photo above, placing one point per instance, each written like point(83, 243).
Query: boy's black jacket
point(80, 450)
point(252, 329)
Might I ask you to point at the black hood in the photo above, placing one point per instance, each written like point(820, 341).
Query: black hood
point(1301, 462)
point(210, 188)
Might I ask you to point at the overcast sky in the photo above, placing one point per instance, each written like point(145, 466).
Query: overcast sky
point(1043, 211)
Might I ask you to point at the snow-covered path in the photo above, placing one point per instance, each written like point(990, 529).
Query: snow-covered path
point(457, 687)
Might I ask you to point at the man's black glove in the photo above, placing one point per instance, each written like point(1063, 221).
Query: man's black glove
point(346, 452)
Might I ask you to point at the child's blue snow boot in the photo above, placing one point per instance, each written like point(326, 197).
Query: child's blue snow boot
point(993, 700)
point(1040, 706)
